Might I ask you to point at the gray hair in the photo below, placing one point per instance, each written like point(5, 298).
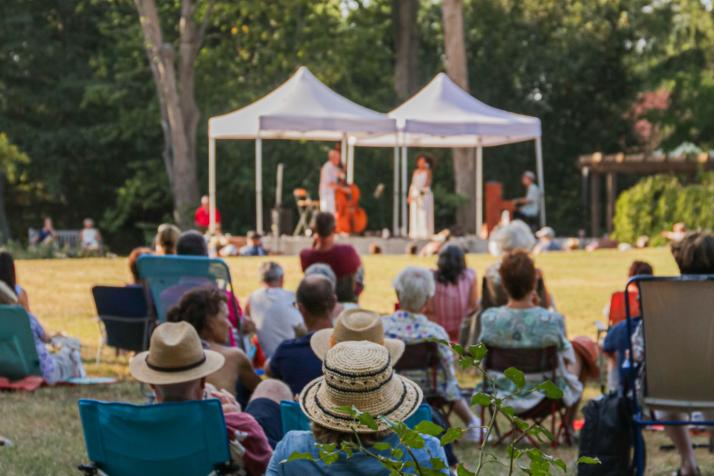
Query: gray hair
point(414, 286)
point(271, 272)
point(322, 269)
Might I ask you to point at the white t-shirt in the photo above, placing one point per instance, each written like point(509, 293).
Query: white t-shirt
point(533, 196)
point(275, 317)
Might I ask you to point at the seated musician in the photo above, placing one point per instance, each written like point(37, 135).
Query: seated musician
point(528, 207)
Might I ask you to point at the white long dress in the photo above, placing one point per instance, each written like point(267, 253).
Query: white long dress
point(329, 174)
point(421, 209)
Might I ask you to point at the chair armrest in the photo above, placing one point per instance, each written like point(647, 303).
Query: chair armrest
point(129, 320)
point(89, 469)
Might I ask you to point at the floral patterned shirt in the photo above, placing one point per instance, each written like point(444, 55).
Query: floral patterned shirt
point(415, 328)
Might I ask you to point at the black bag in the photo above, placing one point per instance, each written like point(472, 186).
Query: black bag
point(608, 436)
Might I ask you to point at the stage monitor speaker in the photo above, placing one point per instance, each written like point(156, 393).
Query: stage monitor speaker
point(281, 220)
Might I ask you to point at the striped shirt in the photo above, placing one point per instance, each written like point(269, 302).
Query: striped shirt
point(451, 303)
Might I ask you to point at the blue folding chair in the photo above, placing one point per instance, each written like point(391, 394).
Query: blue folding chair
point(124, 313)
point(178, 439)
point(678, 329)
point(293, 418)
point(18, 354)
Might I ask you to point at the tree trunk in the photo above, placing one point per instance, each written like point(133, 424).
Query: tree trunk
point(4, 226)
point(406, 46)
point(178, 106)
point(455, 63)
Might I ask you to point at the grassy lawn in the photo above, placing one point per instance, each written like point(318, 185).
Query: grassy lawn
point(45, 425)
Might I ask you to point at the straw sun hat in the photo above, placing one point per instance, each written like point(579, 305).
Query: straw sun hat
point(355, 324)
point(175, 355)
point(359, 373)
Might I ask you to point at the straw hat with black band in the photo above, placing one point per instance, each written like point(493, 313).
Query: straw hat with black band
point(360, 374)
point(355, 324)
point(175, 355)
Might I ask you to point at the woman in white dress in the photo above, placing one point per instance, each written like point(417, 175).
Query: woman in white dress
point(421, 201)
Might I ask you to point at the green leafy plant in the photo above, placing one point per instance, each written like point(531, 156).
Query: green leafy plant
point(533, 460)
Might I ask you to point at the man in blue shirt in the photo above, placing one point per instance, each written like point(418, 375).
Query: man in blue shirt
point(294, 362)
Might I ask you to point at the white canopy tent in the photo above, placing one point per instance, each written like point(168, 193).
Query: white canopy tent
point(444, 115)
point(302, 108)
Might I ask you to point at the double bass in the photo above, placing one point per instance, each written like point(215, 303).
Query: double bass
point(350, 217)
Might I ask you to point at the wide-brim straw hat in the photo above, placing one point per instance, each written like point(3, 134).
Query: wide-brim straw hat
point(359, 374)
point(355, 325)
point(175, 355)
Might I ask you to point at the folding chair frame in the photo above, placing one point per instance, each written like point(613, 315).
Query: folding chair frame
point(639, 419)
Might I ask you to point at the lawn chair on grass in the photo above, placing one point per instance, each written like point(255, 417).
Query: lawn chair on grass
point(180, 439)
point(530, 361)
point(18, 355)
point(124, 316)
point(678, 333)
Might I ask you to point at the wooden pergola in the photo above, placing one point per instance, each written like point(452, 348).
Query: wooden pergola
point(594, 167)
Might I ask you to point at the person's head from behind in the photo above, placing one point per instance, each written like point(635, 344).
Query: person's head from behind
point(324, 225)
point(451, 264)
point(423, 162)
point(206, 310)
point(204, 201)
point(254, 239)
point(176, 365)
point(518, 274)
point(322, 269)
point(694, 254)
point(316, 299)
point(528, 178)
point(271, 274)
point(334, 157)
point(411, 249)
point(191, 243)
point(414, 287)
point(166, 239)
point(640, 268)
point(134, 256)
point(7, 270)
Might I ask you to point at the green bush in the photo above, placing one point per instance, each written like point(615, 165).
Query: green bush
point(655, 203)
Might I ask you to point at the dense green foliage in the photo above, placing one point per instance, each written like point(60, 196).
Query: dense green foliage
point(76, 95)
point(658, 202)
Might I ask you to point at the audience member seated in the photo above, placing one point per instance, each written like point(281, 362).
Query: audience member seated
point(604, 243)
point(456, 292)
point(9, 277)
point(694, 254)
point(206, 310)
point(202, 218)
point(272, 309)
point(254, 247)
point(616, 341)
point(382, 393)
point(436, 243)
point(166, 239)
point(134, 256)
point(294, 362)
point(679, 231)
point(90, 238)
point(322, 269)
point(176, 367)
point(60, 356)
point(343, 259)
point(546, 241)
point(46, 235)
point(523, 324)
point(415, 287)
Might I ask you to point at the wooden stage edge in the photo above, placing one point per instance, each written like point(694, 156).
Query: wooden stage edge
point(291, 245)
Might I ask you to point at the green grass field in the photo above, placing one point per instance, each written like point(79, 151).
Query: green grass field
point(45, 424)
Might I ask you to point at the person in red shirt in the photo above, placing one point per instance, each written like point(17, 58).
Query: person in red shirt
point(202, 218)
point(343, 259)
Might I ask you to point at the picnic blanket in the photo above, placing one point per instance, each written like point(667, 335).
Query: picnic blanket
point(33, 382)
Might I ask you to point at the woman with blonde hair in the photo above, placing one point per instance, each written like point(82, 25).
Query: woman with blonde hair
point(166, 239)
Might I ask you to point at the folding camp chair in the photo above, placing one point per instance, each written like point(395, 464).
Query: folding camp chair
point(168, 278)
point(678, 334)
point(180, 439)
point(125, 315)
point(18, 355)
point(530, 361)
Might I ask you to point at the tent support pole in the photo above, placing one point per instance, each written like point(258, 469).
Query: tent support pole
point(405, 190)
point(479, 187)
point(395, 208)
point(541, 179)
point(350, 162)
point(212, 185)
point(343, 149)
point(259, 184)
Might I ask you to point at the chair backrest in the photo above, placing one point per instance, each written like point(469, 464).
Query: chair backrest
point(293, 418)
point(18, 354)
point(420, 356)
point(125, 314)
point(678, 324)
point(168, 278)
point(527, 360)
point(181, 439)
point(617, 307)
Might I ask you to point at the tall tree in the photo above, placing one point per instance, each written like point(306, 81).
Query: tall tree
point(406, 46)
point(455, 62)
point(179, 112)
